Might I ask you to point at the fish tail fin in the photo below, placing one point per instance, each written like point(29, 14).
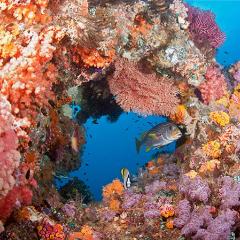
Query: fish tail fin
point(138, 145)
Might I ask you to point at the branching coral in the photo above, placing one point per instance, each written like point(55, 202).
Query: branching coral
point(142, 93)
point(34, 71)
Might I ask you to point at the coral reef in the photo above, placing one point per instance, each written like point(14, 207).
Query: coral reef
point(62, 62)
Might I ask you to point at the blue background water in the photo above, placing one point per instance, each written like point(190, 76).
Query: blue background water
point(111, 146)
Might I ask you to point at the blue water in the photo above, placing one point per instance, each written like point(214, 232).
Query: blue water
point(111, 146)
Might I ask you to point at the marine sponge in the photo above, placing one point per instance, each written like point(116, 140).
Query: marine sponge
point(142, 93)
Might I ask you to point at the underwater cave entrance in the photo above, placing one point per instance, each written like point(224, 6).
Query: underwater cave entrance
point(110, 146)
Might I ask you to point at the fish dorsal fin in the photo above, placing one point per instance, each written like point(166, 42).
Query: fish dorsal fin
point(143, 135)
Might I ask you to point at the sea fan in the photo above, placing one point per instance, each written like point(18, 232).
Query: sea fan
point(142, 93)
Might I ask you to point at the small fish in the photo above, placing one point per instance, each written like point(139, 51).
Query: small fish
point(76, 139)
point(28, 174)
point(95, 121)
point(126, 178)
point(61, 176)
point(47, 203)
point(159, 136)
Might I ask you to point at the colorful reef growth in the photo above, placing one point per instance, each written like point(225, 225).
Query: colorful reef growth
point(148, 57)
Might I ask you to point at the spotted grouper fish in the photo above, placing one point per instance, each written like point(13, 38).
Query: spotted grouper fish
point(159, 136)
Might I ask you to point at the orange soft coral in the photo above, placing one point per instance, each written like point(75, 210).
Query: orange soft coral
point(114, 205)
point(114, 188)
point(86, 233)
point(180, 114)
point(212, 149)
point(209, 166)
point(167, 210)
point(92, 57)
point(221, 118)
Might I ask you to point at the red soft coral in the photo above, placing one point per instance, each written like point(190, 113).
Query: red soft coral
point(142, 93)
point(19, 195)
point(214, 87)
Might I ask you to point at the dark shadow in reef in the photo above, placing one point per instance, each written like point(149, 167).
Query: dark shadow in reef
point(76, 188)
point(97, 101)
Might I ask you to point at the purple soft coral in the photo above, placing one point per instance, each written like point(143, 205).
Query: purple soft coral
point(183, 212)
point(203, 27)
point(155, 187)
point(199, 218)
point(230, 193)
point(195, 189)
point(219, 228)
point(130, 199)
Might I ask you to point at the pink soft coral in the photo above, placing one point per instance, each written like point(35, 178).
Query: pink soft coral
point(142, 93)
point(9, 156)
point(214, 87)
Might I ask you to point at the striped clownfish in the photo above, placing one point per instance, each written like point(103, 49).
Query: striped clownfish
point(126, 178)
